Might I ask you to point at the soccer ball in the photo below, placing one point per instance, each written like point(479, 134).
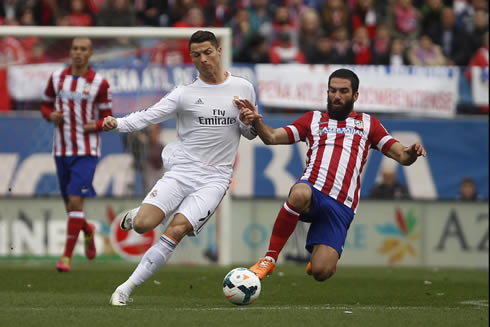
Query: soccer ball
point(241, 286)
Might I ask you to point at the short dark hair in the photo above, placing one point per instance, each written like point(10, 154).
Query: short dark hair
point(347, 74)
point(203, 36)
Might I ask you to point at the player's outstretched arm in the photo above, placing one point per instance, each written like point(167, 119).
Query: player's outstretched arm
point(406, 155)
point(267, 134)
point(109, 123)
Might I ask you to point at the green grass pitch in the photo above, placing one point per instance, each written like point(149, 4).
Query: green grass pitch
point(32, 293)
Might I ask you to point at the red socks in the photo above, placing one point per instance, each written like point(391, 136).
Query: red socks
point(284, 226)
point(76, 222)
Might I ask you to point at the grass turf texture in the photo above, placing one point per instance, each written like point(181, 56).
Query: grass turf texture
point(33, 293)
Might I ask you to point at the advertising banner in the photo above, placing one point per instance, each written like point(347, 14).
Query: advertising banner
point(421, 91)
point(427, 91)
point(383, 233)
point(456, 149)
point(479, 85)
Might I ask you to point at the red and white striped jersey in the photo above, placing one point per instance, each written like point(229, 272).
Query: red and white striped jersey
point(337, 151)
point(77, 97)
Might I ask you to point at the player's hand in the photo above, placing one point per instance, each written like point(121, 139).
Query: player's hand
point(56, 118)
point(90, 127)
point(109, 123)
point(248, 112)
point(416, 149)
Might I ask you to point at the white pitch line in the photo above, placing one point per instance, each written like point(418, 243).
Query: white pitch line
point(478, 303)
point(306, 308)
point(277, 308)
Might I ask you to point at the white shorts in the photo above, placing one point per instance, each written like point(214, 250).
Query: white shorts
point(192, 190)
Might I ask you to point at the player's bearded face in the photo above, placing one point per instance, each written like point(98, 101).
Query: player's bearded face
point(339, 109)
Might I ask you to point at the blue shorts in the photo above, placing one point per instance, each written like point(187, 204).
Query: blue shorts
point(329, 220)
point(75, 175)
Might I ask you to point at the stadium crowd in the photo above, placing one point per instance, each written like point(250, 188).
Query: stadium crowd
point(361, 32)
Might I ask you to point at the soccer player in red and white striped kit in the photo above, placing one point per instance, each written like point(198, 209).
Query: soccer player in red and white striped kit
point(71, 99)
point(327, 194)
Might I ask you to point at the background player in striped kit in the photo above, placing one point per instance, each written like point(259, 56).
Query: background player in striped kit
point(198, 166)
point(327, 194)
point(70, 101)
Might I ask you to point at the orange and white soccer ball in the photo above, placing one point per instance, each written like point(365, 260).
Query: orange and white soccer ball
point(241, 286)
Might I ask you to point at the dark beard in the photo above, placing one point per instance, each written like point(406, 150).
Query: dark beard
point(343, 112)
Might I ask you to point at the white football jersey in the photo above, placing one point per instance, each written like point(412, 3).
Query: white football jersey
point(208, 128)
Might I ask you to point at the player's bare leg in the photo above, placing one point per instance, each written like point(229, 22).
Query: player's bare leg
point(154, 258)
point(323, 262)
point(142, 219)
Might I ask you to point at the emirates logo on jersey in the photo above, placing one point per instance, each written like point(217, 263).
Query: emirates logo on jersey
point(359, 124)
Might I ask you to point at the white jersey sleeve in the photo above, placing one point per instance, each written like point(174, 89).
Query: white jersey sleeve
point(161, 111)
point(247, 131)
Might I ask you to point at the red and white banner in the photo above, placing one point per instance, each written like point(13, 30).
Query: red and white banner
point(429, 91)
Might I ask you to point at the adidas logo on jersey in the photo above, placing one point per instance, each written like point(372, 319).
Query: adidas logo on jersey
point(199, 101)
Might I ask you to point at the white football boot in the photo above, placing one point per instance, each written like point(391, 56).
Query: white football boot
point(126, 222)
point(118, 298)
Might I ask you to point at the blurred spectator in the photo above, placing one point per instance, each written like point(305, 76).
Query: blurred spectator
point(45, 11)
point(403, 19)
point(240, 30)
point(8, 10)
point(117, 13)
point(365, 15)
point(95, 6)
point(282, 24)
point(431, 16)
point(322, 51)
point(79, 14)
point(381, 46)
point(389, 188)
point(178, 9)
point(309, 29)
point(398, 55)
point(152, 13)
point(425, 53)
point(454, 41)
point(284, 51)
point(254, 51)
point(26, 16)
point(467, 190)
point(334, 14)
point(218, 13)
point(296, 9)
point(260, 18)
point(361, 46)
point(343, 47)
point(170, 52)
point(480, 59)
point(465, 12)
point(480, 27)
point(57, 49)
point(193, 18)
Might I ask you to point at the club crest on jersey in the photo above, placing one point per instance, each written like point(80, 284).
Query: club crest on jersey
point(86, 88)
point(154, 193)
point(359, 124)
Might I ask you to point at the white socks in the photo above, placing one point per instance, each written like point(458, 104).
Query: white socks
point(154, 259)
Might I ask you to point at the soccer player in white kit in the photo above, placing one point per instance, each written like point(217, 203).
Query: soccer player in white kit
point(199, 165)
